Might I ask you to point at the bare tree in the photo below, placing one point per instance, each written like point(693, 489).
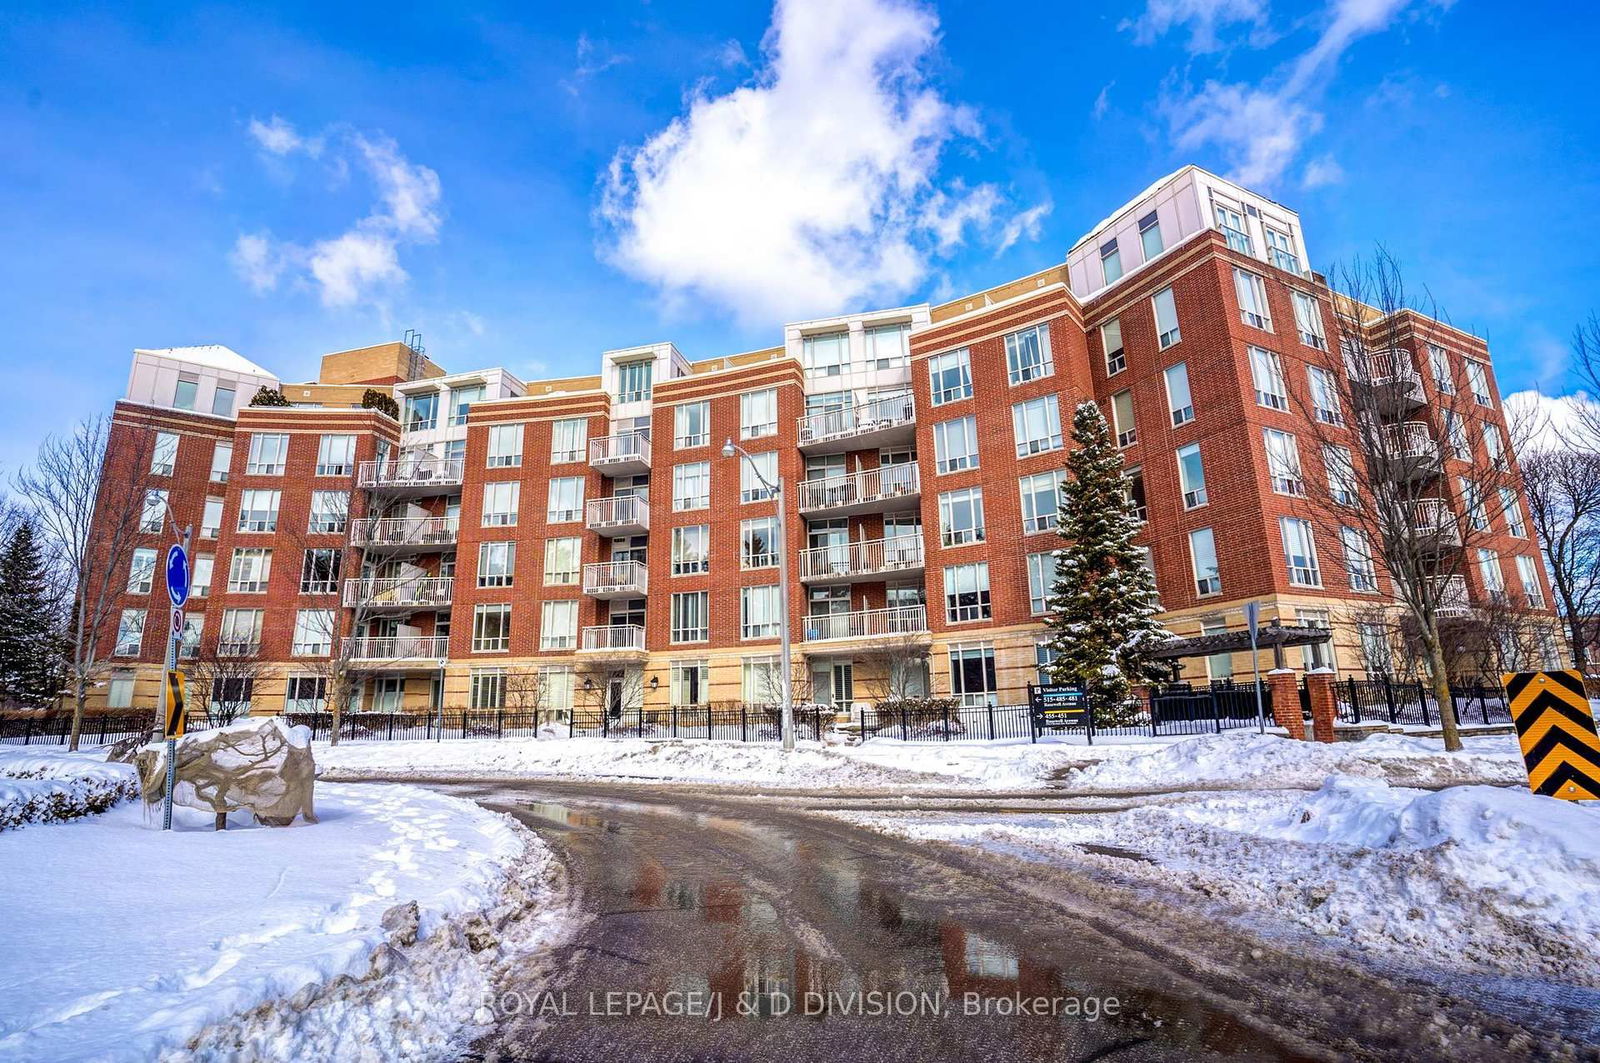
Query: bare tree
point(527, 691)
point(91, 506)
point(1563, 489)
point(896, 665)
point(223, 682)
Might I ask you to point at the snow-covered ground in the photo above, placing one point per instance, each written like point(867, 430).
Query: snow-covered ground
point(125, 942)
point(46, 786)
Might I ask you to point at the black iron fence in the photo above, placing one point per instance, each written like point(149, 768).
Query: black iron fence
point(100, 729)
point(1395, 701)
point(723, 721)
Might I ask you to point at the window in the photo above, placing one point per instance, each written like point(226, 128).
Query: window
point(1472, 502)
point(758, 413)
point(558, 625)
point(1511, 506)
point(569, 437)
point(557, 683)
point(1532, 589)
point(826, 355)
point(1341, 469)
point(691, 550)
point(691, 486)
point(888, 346)
point(1203, 555)
point(950, 376)
point(222, 401)
point(691, 424)
point(461, 400)
point(565, 501)
point(211, 519)
point(142, 571)
point(1455, 433)
point(200, 582)
point(1028, 354)
point(1308, 321)
point(961, 516)
point(505, 446)
point(1133, 489)
point(1325, 396)
point(758, 612)
point(241, 632)
point(269, 452)
point(1375, 651)
point(1252, 293)
point(501, 501)
point(1266, 374)
point(221, 460)
point(1036, 425)
point(164, 455)
point(560, 560)
point(421, 412)
point(336, 455)
point(955, 445)
point(1494, 446)
point(1150, 236)
point(1110, 261)
point(1489, 571)
point(758, 474)
point(972, 677)
point(119, 692)
point(691, 620)
point(1439, 367)
point(491, 628)
point(258, 511)
point(497, 563)
point(966, 592)
point(1111, 343)
point(488, 688)
point(1122, 425)
point(1300, 551)
point(1358, 561)
point(758, 543)
point(1192, 476)
point(1180, 404)
point(1280, 249)
point(319, 570)
point(183, 394)
point(330, 512)
point(634, 380)
point(1283, 462)
point(1041, 503)
point(250, 570)
point(690, 683)
point(1166, 311)
point(313, 633)
point(1218, 665)
point(153, 514)
point(1041, 574)
point(1478, 381)
point(130, 633)
point(1232, 226)
point(760, 680)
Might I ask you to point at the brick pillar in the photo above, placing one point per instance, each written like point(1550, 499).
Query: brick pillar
point(1324, 708)
point(1286, 702)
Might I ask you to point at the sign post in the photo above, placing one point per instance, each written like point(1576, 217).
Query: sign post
point(178, 593)
point(1252, 617)
point(1059, 705)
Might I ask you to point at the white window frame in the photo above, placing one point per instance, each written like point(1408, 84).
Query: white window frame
point(564, 502)
point(749, 559)
point(961, 516)
point(563, 560)
point(483, 639)
point(336, 454)
point(1194, 494)
point(946, 435)
point(751, 489)
point(1116, 357)
point(691, 486)
point(269, 454)
point(505, 447)
point(1266, 377)
point(1164, 305)
point(1180, 399)
point(1041, 575)
point(1284, 470)
point(690, 617)
point(569, 440)
point(969, 579)
point(497, 563)
point(1207, 578)
point(691, 550)
point(758, 413)
point(1308, 320)
point(684, 433)
point(313, 633)
point(558, 624)
point(759, 612)
point(1028, 354)
point(164, 455)
point(1036, 425)
point(958, 362)
point(1303, 568)
point(1033, 520)
point(502, 502)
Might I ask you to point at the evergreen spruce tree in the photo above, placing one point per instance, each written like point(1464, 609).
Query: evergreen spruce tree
point(1103, 599)
point(31, 666)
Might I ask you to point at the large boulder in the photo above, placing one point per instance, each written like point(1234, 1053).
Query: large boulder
point(259, 763)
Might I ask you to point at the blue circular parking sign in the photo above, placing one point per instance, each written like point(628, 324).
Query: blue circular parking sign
point(177, 576)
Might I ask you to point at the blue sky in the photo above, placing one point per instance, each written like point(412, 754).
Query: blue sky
point(531, 184)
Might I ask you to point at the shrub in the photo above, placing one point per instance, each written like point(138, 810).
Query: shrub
point(266, 396)
point(381, 401)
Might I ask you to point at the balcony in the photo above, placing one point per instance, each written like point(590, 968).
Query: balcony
point(616, 579)
point(405, 534)
point(425, 475)
point(619, 640)
point(1433, 526)
point(398, 593)
point(627, 454)
point(870, 560)
point(399, 651)
point(618, 516)
point(1451, 596)
point(1412, 450)
point(1391, 380)
point(897, 622)
point(879, 490)
point(879, 422)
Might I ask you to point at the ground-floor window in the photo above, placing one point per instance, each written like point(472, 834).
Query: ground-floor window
point(230, 696)
point(119, 694)
point(305, 693)
point(488, 688)
point(690, 683)
point(972, 674)
point(1044, 660)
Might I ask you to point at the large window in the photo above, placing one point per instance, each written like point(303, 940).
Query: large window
point(1252, 293)
point(569, 437)
point(558, 625)
point(961, 516)
point(1232, 225)
point(1122, 423)
point(313, 633)
point(1111, 343)
point(691, 550)
point(1511, 506)
point(691, 486)
point(305, 693)
point(827, 355)
point(222, 400)
point(691, 424)
point(966, 592)
point(500, 504)
point(758, 475)
point(1472, 501)
point(1192, 476)
point(1325, 396)
point(1494, 581)
point(1439, 366)
point(758, 543)
point(336, 455)
point(1166, 312)
point(758, 612)
point(1300, 551)
point(153, 514)
point(258, 511)
point(211, 518)
point(561, 560)
point(888, 346)
point(565, 502)
point(164, 455)
point(1280, 248)
point(1150, 236)
point(221, 461)
point(1340, 465)
point(691, 620)
point(1494, 445)
point(1283, 463)
point(972, 674)
point(130, 633)
point(505, 446)
point(955, 444)
point(1478, 381)
point(488, 688)
point(142, 571)
point(1203, 555)
point(1110, 261)
point(269, 453)
point(491, 627)
point(497, 564)
point(1036, 425)
point(1358, 563)
point(330, 512)
point(200, 583)
point(1266, 374)
point(241, 632)
point(319, 570)
point(634, 380)
point(250, 570)
point(1532, 588)
point(1041, 504)
point(1180, 403)
point(1041, 574)
point(183, 394)
point(1308, 321)
point(758, 413)
point(1028, 354)
point(421, 412)
point(950, 376)
point(690, 683)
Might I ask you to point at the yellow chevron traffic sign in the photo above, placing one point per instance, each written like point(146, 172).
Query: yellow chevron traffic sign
point(1555, 727)
point(174, 705)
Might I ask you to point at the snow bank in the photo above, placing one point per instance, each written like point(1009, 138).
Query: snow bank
point(52, 786)
point(125, 942)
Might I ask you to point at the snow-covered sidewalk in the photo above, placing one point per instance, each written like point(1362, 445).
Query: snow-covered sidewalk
point(124, 942)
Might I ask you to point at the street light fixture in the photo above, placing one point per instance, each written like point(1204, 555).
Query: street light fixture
point(786, 685)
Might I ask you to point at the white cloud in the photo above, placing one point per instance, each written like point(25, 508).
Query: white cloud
point(278, 137)
point(256, 262)
point(1102, 102)
point(1026, 223)
point(1542, 423)
point(1321, 171)
point(594, 58)
point(1203, 17)
point(814, 187)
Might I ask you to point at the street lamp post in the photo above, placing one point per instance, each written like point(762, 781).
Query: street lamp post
point(786, 683)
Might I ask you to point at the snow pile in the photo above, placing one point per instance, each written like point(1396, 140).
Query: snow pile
point(1014, 764)
point(126, 942)
point(51, 787)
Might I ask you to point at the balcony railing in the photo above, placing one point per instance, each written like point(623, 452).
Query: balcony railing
point(412, 472)
point(1451, 596)
point(626, 453)
point(874, 557)
point(1390, 374)
point(401, 648)
point(868, 623)
point(616, 578)
point(405, 531)
point(1413, 445)
point(884, 415)
point(861, 491)
point(612, 638)
point(620, 514)
point(420, 592)
point(1431, 518)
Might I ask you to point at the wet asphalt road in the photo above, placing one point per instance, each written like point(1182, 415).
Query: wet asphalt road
point(782, 936)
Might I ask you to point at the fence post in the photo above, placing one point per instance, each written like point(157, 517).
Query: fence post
point(991, 720)
point(1422, 699)
point(27, 730)
point(1088, 720)
point(1216, 713)
point(1150, 700)
point(572, 724)
point(1355, 703)
point(708, 721)
point(500, 722)
point(744, 723)
point(947, 721)
point(1483, 705)
point(905, 725)
point(1388, 697)
point(673, 713)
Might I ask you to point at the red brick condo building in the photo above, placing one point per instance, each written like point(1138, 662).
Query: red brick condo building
point(587, 538)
